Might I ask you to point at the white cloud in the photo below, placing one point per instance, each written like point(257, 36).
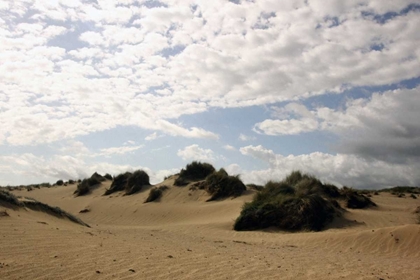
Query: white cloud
point(151, 137)
point(194, 152)
point(229, 148)
point(244, 137)
point(107, 152)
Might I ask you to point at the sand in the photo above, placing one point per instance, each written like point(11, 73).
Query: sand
point(184, 237)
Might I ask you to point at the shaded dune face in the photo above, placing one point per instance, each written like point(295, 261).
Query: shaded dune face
point(181, 236)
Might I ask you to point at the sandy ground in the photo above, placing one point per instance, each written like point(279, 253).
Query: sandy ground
point(184, 237)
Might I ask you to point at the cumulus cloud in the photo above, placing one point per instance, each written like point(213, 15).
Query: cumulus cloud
point(190, 52)
point(340, 169)
point(383, 126)
point(194, 152)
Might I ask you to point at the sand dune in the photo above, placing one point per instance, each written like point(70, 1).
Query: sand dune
point(184, 237)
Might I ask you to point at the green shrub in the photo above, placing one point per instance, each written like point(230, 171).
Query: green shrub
point(119, 183)
point(71, 181)
point(85, 185)
point(98, 177)
point(155, 193)
point(108, 176)
point(193, 172)
point(136, 181)
point(299, 202)
point(59, 183)
point(219, 184)
point(354, 200)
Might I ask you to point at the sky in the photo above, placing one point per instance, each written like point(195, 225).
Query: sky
point(260, 88)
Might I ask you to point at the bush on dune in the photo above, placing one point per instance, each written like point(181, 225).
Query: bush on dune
point(86, 185)
point(300, 202)
point(354, 200)
point(108, 176)
point(193, 172)
point(119, 183)
point(129, 182)
point(136, 181)
point(155, 193)
point(219, 184)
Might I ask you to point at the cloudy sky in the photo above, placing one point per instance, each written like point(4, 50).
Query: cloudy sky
point(262, 88)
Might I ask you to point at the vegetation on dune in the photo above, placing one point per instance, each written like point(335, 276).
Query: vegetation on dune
point(35, 205)
point(136, 181)
point(355, 200)
point(85, 185)
point(108, 176)
point(59, 183)
point(402, 189)
point(155, 193)
point(194, 171)
point(129, 182)
point(119, 183)
point(299, 202)
point(219, 184)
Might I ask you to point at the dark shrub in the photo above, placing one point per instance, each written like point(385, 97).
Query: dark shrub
point(136, 181)
point(376, 193)
point(119, 183)
point(155, 193)
point(413, 196)
point(300, 202)
point(219, 184)
point(355, 200)
point(59, 183)
point(108, 176)
point(71, 181)
point(193, 172)
point(98, 177)
point(85, 186)
point(312, 212)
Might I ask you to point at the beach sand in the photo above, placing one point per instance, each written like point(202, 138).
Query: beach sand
point(184, 237)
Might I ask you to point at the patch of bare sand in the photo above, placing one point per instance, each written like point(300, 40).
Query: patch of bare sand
point(183, 237)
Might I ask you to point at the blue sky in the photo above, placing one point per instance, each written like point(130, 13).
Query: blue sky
point(260, 88)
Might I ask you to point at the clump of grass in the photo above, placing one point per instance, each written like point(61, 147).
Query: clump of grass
point(299, 202)
point(84, 187)
point(354, 200)
point(155, 193)
point(119, 183)
point(129, 182)
point(98, 177)
point(413, 196)
point(38, 206)
point(219, 184)
point(9, 198)
point(108, 176)
point(194, 171)
point(136, 181)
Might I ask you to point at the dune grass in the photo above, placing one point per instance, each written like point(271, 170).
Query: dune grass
point(136, 182)
point(84, 187)
point(219, 184)
point(194, 171)
point(129, 182)
point(354, 200)
point(156, 193)
point(299, 202)
point(35, 205)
